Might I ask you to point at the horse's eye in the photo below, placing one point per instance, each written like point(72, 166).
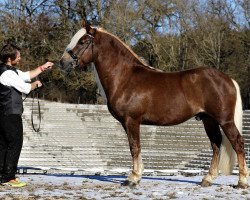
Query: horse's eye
point(81, 42)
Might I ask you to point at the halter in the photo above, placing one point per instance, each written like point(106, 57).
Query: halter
point(82, 50)
point(74, 57)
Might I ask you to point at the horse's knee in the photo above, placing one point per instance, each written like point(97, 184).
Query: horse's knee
point(135, 150)
point(239, 146)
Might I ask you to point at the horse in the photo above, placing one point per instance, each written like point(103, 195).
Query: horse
point(139, 94)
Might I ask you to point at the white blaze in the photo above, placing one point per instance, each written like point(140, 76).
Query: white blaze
point(76, 38)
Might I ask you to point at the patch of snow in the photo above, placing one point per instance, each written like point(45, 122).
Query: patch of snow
point(109, 187)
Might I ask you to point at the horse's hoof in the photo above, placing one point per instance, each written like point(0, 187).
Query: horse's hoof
point(242, 186)
point(129, 183)
point(205, 183)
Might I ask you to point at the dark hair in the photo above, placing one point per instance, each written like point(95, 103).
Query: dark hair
point(8, 51)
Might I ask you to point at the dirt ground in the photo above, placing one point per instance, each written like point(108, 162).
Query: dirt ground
point(47, 187)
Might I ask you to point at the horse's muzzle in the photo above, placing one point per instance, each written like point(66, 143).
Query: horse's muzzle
point(66, 65)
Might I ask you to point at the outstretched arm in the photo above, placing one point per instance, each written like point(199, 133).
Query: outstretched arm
point(35, 72)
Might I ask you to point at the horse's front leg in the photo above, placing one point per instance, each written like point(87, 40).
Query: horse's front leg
point(132, 128)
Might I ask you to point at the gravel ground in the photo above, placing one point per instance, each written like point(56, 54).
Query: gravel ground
point(48, 187)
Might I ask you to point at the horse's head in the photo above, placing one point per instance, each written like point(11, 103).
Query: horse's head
point(80, 51)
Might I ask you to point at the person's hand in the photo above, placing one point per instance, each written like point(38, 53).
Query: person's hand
point(36, 84)
point(46, 66)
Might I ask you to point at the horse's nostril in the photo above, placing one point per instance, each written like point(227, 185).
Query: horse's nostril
point(61, 63)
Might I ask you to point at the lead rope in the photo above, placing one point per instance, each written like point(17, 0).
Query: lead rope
point(35, 95)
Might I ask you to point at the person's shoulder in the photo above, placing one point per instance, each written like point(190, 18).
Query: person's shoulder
point(3, 68)
point(19, 70)
point(7, 70)
point(3, 65)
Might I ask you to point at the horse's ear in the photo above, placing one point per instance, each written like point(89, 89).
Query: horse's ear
point(86, 25)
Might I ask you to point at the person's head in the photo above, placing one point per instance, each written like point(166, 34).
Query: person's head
point(10, 54)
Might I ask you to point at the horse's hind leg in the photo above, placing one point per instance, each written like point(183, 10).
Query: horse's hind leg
point(132, 128)
point(214, 134)
point(237, 142)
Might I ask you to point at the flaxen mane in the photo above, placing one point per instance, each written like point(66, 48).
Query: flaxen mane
point(144, 64)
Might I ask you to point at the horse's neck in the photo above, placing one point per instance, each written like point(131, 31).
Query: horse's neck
point(112, 75)
point(99, 84)
point(117, 65)
point(109, 76)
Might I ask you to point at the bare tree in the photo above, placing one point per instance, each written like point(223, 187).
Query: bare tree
point(170, 35)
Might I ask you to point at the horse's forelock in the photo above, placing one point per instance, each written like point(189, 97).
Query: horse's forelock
point(76, 38)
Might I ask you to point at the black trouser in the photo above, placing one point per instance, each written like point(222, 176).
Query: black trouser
point(11, 141)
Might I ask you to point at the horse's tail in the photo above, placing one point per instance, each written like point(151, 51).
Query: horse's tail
point(227, 153)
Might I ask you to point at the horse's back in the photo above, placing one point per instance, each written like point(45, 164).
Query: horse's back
point(170, 98)
point(182, 95)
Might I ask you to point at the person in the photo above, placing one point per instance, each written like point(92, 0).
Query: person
point(13, 82)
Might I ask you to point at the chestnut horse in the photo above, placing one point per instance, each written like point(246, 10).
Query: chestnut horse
point(138, 94)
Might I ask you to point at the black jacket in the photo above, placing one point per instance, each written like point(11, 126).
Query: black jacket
point(10, 98)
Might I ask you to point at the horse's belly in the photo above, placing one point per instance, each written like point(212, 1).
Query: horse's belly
point(162, 118)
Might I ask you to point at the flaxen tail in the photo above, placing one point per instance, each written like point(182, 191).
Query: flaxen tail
point(227, 154)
